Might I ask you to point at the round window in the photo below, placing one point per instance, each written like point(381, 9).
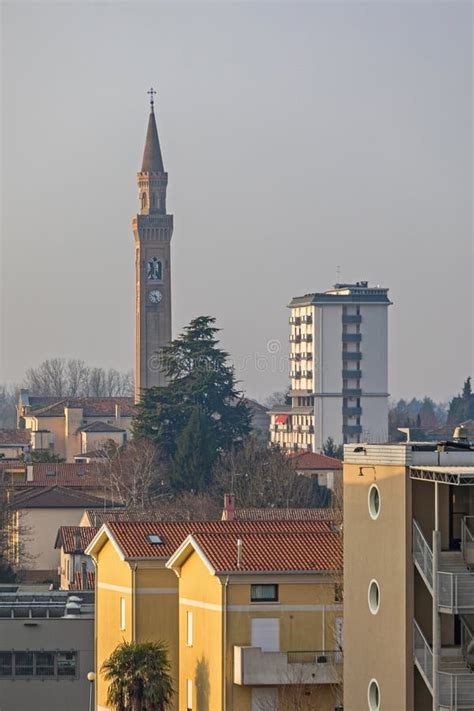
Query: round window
point(374, 501)
point(374, 696)
point(374, 597)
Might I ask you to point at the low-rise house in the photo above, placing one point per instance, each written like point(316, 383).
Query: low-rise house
point(91, 478)
point(231, 512)
point(327, 470)
point(14, 443)
point(37, 514)
point(46, 649)
point(259, 623)
point(137, 594)
point(71, 426)
point(76, 569)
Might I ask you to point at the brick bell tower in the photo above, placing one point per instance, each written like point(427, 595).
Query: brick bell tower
point(152, 229)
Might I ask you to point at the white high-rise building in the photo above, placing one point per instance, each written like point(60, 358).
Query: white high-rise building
point(338, 369)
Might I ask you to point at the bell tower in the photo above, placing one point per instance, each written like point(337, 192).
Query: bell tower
point(152, 229)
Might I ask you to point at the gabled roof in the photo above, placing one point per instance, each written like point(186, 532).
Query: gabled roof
point(99, 426)
point(69, 537)
point(15, 437)
point(56, 497)
point(313, 460)
point(275, 552)
point(131, 538)
point(83, 476)
point(92, 406)
point(97, 517)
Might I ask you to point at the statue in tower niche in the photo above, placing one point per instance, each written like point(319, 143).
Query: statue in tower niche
point(154, 269)
point(152, 229)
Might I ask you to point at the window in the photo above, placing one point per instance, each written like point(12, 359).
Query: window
point(23, 663)
point(189, 628)
point(122, 613)
point(44, 663)
point(6, 664)
point(374, 501)
point(189, 695)
point(156, 540)
point(264, 593)
point(66, 662)
point(338, 592)
point(374, 695)
point(374, 597)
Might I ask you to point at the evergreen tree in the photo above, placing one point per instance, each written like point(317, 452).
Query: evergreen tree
point(195, 455)
point(461, 407)
point(331, 449)
point(201, 386)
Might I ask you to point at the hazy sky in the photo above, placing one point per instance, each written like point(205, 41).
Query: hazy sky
point(297, 137)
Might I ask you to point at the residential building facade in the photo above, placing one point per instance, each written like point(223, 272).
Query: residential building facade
point(259, 625)
point(408, 576)
point(338, 369)
point(137, 595)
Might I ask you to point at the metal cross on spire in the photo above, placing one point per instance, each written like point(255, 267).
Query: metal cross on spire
point(152, 93)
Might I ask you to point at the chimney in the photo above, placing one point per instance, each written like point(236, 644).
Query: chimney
point(228, 513)
point(239, 551)
point(118, 413)
point(29, 472)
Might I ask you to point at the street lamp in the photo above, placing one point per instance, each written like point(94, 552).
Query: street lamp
point(91, 679)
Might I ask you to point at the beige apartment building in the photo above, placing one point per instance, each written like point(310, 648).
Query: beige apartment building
point(409, 576)
point(338, 369)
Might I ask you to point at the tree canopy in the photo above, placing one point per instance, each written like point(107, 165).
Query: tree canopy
point(200, 412)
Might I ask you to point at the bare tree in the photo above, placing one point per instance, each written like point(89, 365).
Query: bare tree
point(14, 536)
point(8, 401)
point(60, 377)
point(264, 477)
point(135, 474)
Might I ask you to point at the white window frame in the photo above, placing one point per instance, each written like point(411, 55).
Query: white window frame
point(123, 613)
point(189, 694)
point(189, 628)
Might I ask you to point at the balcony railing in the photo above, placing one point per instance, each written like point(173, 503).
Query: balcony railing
point(456, 689)
point(467, 540)
point(351, 355)
point(351, 429)
point(351, 318)
point(351, 392)
point(423, 655)
point(351, 374)
point(252, 666)
point(422, 555)
point(455, 587)
point(351, 411)
point(295, 338)
point(351, 337)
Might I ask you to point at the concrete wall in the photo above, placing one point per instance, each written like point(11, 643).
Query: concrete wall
point(53, 634)
point(378, 646)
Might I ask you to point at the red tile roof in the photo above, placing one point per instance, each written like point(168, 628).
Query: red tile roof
point(99, 426)
point(271, 551)
point(92, 407)
point(132, 536)
point(322, 514)
point(313, 460)
point(83, 476)
point(79, 584)
point(15, 437)
point(67, 538)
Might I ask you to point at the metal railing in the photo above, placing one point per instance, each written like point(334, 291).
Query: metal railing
point(456, 590)
point(422, 555)
point(456, 691)
point(467, 643)
point(423, 655)
point(467, 539)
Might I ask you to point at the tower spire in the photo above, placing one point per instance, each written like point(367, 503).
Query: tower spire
point(152, 160)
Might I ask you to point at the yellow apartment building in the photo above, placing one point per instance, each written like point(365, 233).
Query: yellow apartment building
point(137, 594)
point(260, 626)
point(408, 576)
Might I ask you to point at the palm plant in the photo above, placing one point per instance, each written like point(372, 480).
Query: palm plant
point(139, 676)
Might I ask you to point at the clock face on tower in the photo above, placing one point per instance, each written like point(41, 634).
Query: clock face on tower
point(155, 296)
